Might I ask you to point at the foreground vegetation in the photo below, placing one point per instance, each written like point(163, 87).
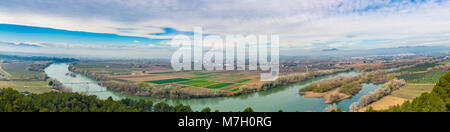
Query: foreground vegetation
point(436, 101)
point(13, 101)
point(27, 86)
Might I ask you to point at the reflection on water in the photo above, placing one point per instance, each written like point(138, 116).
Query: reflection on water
point(285, 98)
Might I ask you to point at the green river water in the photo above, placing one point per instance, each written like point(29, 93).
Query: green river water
point(285, 98)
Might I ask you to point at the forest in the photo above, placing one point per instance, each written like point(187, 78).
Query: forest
point(37, 58)
point(13, 101)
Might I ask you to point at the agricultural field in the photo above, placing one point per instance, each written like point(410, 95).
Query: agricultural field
point(29, 86)
point(160, 76)
point(242, 81)
point(423, 73)
point(19, 71)
point(424, 77)
point(3, 74)
point(24, 76)
point(198, 83)
point(207, 80)
point(412, 90)
point(220, 85)
point(418, 68)
point(408, 92)
point(168, 80)
point(201, 73)
point(444, 62)
point(421, 78)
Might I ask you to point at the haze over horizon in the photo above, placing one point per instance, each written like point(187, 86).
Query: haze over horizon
point(142, 29)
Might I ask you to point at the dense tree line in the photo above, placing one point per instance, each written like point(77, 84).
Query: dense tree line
point(37, 58)
point(436, 101)
point(37, 66)
point(14, 101)
point(329, 84)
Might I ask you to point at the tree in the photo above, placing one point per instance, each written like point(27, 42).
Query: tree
point(442, 89)
point(162, 107)
point(207, 109)
point(248, 109)
point(141, 85)
point(336, 110)
point(428, 102)
point(331, 108)
point(436, 101)
point(182, 108)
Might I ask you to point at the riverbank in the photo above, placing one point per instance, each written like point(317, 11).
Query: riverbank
point(284, 97)
point(185, 85)
point(340, 88)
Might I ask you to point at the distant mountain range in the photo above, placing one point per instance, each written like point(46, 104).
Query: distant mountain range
point(284, 53)
point(418, 50)
point(332, 49)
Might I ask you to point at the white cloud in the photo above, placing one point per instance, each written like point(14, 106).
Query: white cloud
point(91, 51)
point(298, 22)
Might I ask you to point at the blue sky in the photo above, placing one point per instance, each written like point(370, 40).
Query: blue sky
point(111, 25)
point(18, 33)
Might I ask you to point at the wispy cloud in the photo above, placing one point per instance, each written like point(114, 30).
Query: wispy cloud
point(90, 51)
point(300, 23)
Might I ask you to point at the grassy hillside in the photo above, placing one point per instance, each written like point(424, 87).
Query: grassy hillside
point(18, 71)
point(29, 86)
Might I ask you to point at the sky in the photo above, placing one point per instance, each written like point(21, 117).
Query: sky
point(142, 28)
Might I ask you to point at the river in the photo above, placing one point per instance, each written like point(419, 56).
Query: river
point(285, 98)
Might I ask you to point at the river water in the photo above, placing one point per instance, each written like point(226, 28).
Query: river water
point(285, 98)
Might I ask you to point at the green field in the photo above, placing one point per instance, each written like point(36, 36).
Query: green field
point(173, 80)
point(242, 81)
point(18, 71)
point(198, 83)
point(161, 72)
point(220, 85)
point(4, 74)
point(234, 90)
point(119, 71)
point(427, 77)
point(444, 62)
point(30, 86)
point(411, 90)
point(201, 73)
point(201, 77)
point(420, 67)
